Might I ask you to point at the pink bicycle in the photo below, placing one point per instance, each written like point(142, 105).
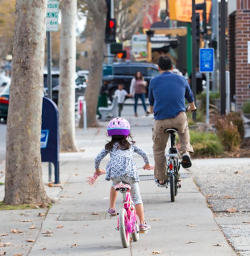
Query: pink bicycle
point(127, 220)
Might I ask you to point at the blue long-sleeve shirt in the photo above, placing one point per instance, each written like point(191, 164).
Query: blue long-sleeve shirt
point(167, 93)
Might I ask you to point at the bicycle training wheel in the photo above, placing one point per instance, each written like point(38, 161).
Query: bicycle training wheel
point(136, 235)
point(173, 188)
point(125, 237)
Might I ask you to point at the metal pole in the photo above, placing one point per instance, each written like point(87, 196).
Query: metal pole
point(84, 111)
point(223, 57)
point(215, 37)
point(49, 83)
point(207, 91)
point(228, 92)
point(194, 60)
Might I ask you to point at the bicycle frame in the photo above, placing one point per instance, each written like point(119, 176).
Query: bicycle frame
point(128, 205)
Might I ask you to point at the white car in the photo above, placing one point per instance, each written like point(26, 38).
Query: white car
point(4, 80)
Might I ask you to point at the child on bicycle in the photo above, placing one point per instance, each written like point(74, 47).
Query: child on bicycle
point(121, 167)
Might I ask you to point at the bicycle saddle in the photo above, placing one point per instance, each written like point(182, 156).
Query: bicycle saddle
point(171, 130)
point(122, 187)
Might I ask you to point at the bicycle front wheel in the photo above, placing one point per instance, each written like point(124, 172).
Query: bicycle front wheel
point(125, 237)
point(173, 188)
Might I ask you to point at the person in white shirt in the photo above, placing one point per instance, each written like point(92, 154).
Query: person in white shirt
point(121, 94)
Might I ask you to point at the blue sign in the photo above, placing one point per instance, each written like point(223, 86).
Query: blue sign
point(206, 60)
point(44, 138)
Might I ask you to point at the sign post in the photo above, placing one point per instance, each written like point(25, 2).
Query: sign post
point(51, 26)
point(207, 65)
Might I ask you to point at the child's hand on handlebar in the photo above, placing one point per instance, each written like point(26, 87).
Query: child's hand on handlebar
point(148, 167)
point(97, 173)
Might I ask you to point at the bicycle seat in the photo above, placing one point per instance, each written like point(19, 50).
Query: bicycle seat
point(122, 187)
point(171, 130)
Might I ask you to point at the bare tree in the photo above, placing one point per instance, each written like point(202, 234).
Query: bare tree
point(97, 10)
point(23, 180)
point(67, 76)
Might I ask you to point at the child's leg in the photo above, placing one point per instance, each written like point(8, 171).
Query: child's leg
point(113, 196)
point(140, 212)
point(136, 197)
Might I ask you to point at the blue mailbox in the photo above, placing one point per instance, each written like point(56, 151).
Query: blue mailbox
point(50, 135)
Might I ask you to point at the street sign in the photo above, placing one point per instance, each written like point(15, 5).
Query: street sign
point(44, 138)
point(206, 60)
point(52, 15)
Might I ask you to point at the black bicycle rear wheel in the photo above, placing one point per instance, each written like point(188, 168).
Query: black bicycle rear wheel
point(173, 187)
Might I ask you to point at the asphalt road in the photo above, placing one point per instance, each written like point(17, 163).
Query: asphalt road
point(2, 141)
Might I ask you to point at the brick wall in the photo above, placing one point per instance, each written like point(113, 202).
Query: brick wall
point(242, 68)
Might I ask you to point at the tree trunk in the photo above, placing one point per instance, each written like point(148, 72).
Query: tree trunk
point(23, 180)
point(95, 65)
point(67, 76)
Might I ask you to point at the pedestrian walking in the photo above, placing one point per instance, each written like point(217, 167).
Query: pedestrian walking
point(121, 94)
point(138, 89)
point(121, 166)
point(167, 93)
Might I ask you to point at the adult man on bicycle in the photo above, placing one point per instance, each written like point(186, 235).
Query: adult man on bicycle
point(167, 93)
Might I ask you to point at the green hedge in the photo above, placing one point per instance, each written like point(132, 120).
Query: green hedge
point(206, 144)
point(246, 107)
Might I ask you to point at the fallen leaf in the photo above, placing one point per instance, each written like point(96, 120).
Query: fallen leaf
point(209, 195)
point(25, 220)
point(76, 174)
point(5, 244)
point(216, 245)
point(32, 227)
point(190, 242)
point(48, 233)
point(155, 219)
point(16, 231)
point(30, 240)
point(60, 226)
point(228, 197)
point(156, 252)
point(245, 222)
point(73, 245)
point(191, 225)
point(41, 214)
point(43, 249)
point(94, 213)
point(79, 193)
point(231, 210)
point(3, 234)
point(236, 172)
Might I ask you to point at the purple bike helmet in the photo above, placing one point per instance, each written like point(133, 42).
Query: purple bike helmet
point(118, 126)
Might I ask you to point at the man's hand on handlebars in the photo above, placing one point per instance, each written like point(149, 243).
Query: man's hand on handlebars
point(191, 107)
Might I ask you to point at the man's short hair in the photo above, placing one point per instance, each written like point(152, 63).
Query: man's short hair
point(165, 63)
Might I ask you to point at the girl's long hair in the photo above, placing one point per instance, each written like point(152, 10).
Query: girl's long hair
point(122, 140)
point(140, 77)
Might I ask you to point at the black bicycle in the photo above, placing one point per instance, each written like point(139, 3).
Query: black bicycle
point(173, 165)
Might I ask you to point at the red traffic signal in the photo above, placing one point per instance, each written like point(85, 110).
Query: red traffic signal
point(111, 24)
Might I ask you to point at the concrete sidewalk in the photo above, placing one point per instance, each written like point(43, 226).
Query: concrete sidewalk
point(78, 224)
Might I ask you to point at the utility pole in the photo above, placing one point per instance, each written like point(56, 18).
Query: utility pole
point(223, 57)
point(194, 53)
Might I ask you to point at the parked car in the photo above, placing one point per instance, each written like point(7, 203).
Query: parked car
point(4, 102)
point(80, 85)
point(4, 80)
point(125, 71)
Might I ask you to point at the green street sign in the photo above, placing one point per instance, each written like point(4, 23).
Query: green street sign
point(52, 15)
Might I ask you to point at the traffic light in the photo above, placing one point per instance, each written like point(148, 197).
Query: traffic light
point(110, 31)
point(197, 25)
point(121, 55)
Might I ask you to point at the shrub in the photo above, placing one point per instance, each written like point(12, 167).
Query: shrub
point(212, 98)
point(228, 133)
point(206, 144)
point(236, 119)
point(246, 107)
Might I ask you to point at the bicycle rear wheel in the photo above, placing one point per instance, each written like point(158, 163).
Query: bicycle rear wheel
point(125, 237)
point(173, 187)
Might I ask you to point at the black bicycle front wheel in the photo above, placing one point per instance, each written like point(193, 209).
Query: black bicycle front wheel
point(173, 187)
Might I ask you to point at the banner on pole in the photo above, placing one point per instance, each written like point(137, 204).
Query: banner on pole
point(181, 10)
point(52, 15)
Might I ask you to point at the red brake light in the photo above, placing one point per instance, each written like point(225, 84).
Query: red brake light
point(111, 24)
point(171, 166)
point(4, 100)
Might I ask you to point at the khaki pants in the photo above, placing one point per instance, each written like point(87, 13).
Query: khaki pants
point(160, 139)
